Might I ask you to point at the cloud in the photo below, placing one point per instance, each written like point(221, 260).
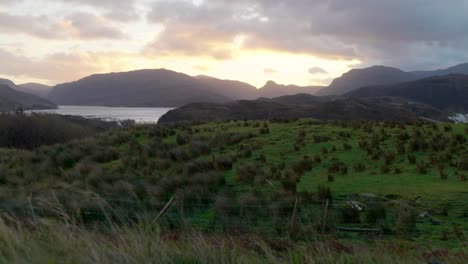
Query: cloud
point(57, 67)
point(88, 26)
point(399, 32)
point(120, 10)
point(317, 70)
point(38, 26)
point(214, 27)
point(76, 26)
point(9, 2)
point(190, 40)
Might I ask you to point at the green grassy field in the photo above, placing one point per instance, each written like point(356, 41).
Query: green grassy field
point(302, 181)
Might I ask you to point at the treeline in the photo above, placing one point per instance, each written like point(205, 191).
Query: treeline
point(31, 131)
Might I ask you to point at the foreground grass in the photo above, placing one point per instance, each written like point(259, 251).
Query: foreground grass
point(302, 180)
point(68, 243)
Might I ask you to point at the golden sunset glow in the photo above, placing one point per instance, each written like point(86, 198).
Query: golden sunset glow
point(55, 41)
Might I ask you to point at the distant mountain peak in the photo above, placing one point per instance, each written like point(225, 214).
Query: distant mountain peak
point(270, 83)
point(382, 75)
point(8, 83)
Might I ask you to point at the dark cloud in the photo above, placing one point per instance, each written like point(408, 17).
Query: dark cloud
point(317, 70)
point(214, 25)
point(421, 33)
point(77, 25)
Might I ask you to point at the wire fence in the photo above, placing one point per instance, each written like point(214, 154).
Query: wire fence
point(208, 214)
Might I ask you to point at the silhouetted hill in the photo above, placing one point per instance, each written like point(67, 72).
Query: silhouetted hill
point(305, 106)
point(8, 83)
point(381, 75)
point(144, 88)
point(38, 89)
point(272, 89)
point(449, 92)
point(234, 90)
point(161, 88)
point(11, 100)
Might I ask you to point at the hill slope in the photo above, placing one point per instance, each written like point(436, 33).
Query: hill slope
point(449, 92)
point(38, 89)
point(11, 100)
point(144, 88)
point(272, 89)
point(161, 88)
point(381, 75)
point(305, 106)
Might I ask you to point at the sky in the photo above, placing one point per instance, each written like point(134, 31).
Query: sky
point(303, 42)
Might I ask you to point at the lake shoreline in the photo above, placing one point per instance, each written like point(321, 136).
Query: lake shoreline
point(138, 114)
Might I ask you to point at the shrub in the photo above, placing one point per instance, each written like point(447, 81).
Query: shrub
point(246, 172)
point(210, 180)
point(180, 154)
point(163, 164)
point(198, 166)
point(321, 139)
point(289, 182)
point(421, 168)
point(412, 159)
point(442, 174)
point(198, 148)
point(317, 159)
point(324, 193)
point(463, 162)
point(32, 131)
point(384, 169)
point(262, 158)
point(105, 155)
point(302, 166)
point(245, 151)
point(389, 157)
point(346, 146)
point(359, 167)
point(223, 162)
point(182, 139)
point(461, 177)
point(338, 166)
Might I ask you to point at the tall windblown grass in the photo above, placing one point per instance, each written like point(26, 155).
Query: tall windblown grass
point(58, 242)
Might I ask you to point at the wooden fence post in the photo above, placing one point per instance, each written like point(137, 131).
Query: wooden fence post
point(293, 218)
point(325, 215)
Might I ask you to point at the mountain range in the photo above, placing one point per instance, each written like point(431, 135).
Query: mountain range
point(382, 75)
point(161, 88)
point(448, 92)
point(442, 89)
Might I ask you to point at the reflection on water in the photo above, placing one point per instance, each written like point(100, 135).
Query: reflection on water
point(138, 114)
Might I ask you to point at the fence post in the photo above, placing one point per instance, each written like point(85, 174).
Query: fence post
point(182, 214)
point(32, 208)
point(325, 215)
point(293, 218)
point(162, 211)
